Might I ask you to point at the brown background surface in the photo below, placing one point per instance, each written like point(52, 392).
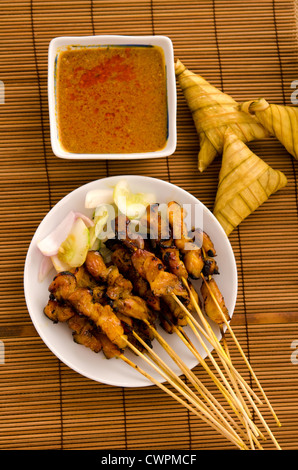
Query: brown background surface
point(248, 49)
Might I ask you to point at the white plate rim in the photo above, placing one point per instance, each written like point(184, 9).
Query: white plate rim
point(63, 203)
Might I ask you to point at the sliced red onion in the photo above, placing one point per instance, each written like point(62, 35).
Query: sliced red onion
point(49, 245)
point(85, 218)
point(46, 266)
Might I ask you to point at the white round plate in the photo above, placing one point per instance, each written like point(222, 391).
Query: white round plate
point(58, 337)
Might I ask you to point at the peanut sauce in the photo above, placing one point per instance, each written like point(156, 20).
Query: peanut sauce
point(112, 99)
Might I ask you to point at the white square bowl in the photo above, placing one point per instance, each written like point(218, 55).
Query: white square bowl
point(60, 44)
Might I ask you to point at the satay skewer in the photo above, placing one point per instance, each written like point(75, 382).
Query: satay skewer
point(241, 411)
point(162, 277)
point(203, 413)
point(255, 408)
point(210, 400)
point(243, 355)
point(251, 437)
point(81, 325)
point(97, 267)
point(240, 445)
point(195, 381)
point(249, 433)
point(176, 216)
point(219, 348)
point(142, 260)
point(190, 250)
point(197, 328)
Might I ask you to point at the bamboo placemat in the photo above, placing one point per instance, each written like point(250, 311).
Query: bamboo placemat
point(248, 49)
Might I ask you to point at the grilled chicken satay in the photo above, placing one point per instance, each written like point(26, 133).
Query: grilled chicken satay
point(172, 258)
point(151, 268)
point(192, 253)
point(140, 264)
point(63, 284)
point(85, 297)
point(202, 239)
point(103, 317)
point(109, 349)
point(202, 264)
point(198, 250)
point(158, 228)
point(119, 289)
point(64, 288)
point(148, 266)
point(168, 310)
point(125, 235)
point(83, 331)
point(122, 259)
point(210, 307)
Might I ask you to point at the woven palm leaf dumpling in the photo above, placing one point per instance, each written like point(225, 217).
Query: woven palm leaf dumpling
point(280, 121)
point(224, 128)
point(213, 113)
point(245, 182)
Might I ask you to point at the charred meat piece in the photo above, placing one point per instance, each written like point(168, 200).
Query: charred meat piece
point(95, 265)
point(63, 284)
point(83, 277)
point(102, 316)
point(81, 327)
point(99, 294)
point(132, 306)
point(58, 312)
point(116, 283)
point(171, 258)
point(156, 225)
point(122, 259)
point(210, 267)
point(194, 263)
point(210, 306)
point(123, 233)
point(169, 318)
point(152, 269)
point(176, 217)
point(87, 338)
point(208, 246)
point(202, 240)
point(109, 349)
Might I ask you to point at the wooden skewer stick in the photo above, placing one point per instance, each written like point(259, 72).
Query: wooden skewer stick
point(230, 396)
point(203, 414)
point(189, 344)
point(204, 392)
point(252, 439)
point(243, 355)
point(241, 411)
point(204, 364)
point(220, 408)
point(231, 399)
point(177, 398)
point(215, 345)
point(186, 371)
point(209, 334)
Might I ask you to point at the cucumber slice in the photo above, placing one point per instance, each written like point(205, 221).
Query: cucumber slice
point(96, 197)
point(133, 205)
point(73, 250)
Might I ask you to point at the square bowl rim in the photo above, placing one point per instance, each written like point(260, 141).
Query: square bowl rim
point(57, 44)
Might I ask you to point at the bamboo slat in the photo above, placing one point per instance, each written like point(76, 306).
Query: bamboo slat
point(247, 49)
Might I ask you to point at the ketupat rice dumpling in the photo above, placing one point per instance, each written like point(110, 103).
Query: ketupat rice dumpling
point(280, 121)
point(213, 113)
point(245, 182)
